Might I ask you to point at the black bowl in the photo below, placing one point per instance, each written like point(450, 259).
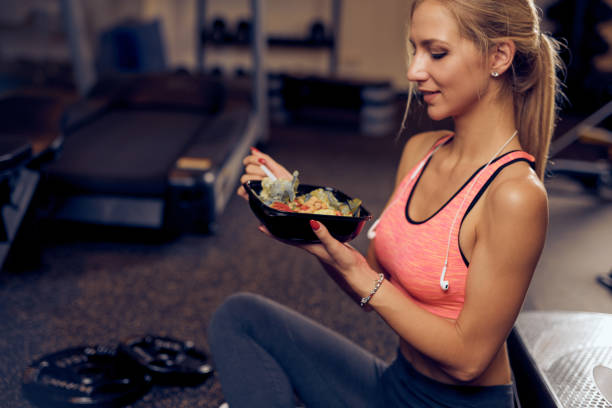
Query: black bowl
point(295, 227)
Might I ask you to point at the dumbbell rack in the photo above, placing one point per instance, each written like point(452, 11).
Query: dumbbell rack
point(329, 42)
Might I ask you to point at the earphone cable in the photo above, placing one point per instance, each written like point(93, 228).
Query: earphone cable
point(443, 283)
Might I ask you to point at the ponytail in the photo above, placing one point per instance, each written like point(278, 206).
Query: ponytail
point(535, 90)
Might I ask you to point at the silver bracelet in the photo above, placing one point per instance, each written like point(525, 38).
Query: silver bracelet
point(379, 281)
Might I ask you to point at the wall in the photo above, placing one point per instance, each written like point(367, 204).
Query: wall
point(371, 37)
point(373, 40)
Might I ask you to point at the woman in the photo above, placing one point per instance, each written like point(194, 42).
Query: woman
point(455, 249)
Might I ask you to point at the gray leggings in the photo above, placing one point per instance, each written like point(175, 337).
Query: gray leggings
point(265, 354)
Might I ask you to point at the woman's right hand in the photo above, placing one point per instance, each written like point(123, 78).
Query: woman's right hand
point(253, 171)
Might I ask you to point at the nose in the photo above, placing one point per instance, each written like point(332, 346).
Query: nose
point(417, 69)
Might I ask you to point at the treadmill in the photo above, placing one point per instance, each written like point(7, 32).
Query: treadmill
point(29, 137)
point(159, 150)
point(17, 186)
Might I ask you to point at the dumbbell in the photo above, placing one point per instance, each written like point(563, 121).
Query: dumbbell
point(218, 32)
point(317, 32)
point(243, 32)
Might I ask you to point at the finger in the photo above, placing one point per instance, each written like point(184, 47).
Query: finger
point(255, 155)
point(254, 158)
point(243, 179)
point(263, 229)
point(246, 177)
point(255, 151)
point(334, 247)
point(278, 170)
point(254, 170)
point(319, 251)
point(253, 164)
point(242, 193)
point(257, 158)
point(251, 159)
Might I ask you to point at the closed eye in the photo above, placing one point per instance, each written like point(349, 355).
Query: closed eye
point(438, 55)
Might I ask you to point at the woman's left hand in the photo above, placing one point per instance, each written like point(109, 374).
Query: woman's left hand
point(340, 256)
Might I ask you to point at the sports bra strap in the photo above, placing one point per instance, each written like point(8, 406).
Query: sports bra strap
point(417, 169)
point(519, 154)
point(405, 183)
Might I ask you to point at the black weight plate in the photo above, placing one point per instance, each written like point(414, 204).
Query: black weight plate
point(169, 361)
point(87, 376)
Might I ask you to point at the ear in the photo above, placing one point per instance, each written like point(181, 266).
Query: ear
point(501, 56)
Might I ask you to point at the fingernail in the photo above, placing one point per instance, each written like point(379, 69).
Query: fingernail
point(315, 225)
point(262, 160)
point(254, 149)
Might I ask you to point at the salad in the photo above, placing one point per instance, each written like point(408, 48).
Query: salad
point(282, 195)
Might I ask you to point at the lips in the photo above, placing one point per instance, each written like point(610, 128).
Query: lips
point(429, 96)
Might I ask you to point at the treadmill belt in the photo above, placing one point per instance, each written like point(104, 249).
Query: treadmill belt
point(220, 137)
point(125, 152)
point(128, 156)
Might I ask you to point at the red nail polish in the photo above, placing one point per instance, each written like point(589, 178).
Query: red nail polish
point(254, 149)
point(315, 225)
point(262, 160)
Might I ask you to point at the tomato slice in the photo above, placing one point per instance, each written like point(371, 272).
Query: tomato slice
point(277, 205)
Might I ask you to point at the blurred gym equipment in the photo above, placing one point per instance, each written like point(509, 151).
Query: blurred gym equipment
point(154, 150)
point(589, 94)
point(17, 186)
point(30, 136)
point(317, 36)
point(367, 105)
point(553, 355)
point(596, 174)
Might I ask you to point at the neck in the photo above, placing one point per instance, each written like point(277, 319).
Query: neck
point(484, 129)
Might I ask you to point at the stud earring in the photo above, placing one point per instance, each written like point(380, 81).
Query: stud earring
point(494, 74)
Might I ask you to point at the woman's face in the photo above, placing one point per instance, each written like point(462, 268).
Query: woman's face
point(447, 68)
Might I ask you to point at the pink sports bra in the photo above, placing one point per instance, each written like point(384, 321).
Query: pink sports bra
point(413, 252)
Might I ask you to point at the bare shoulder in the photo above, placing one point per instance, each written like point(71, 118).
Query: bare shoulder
point(518, 193)
point(415, 148)
point(515, 220)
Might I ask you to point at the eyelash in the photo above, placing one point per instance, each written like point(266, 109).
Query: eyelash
point(434, 55)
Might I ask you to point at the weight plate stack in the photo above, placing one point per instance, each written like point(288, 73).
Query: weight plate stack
point(169, 361)
point(87, 376)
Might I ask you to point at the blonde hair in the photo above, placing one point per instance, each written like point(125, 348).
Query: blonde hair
point(532, 78)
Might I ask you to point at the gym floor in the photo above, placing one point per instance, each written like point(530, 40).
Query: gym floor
point(86, 285)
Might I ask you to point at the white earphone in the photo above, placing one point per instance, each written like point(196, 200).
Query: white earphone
point(444, 284)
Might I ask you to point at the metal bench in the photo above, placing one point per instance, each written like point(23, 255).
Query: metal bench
point(553, 355)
